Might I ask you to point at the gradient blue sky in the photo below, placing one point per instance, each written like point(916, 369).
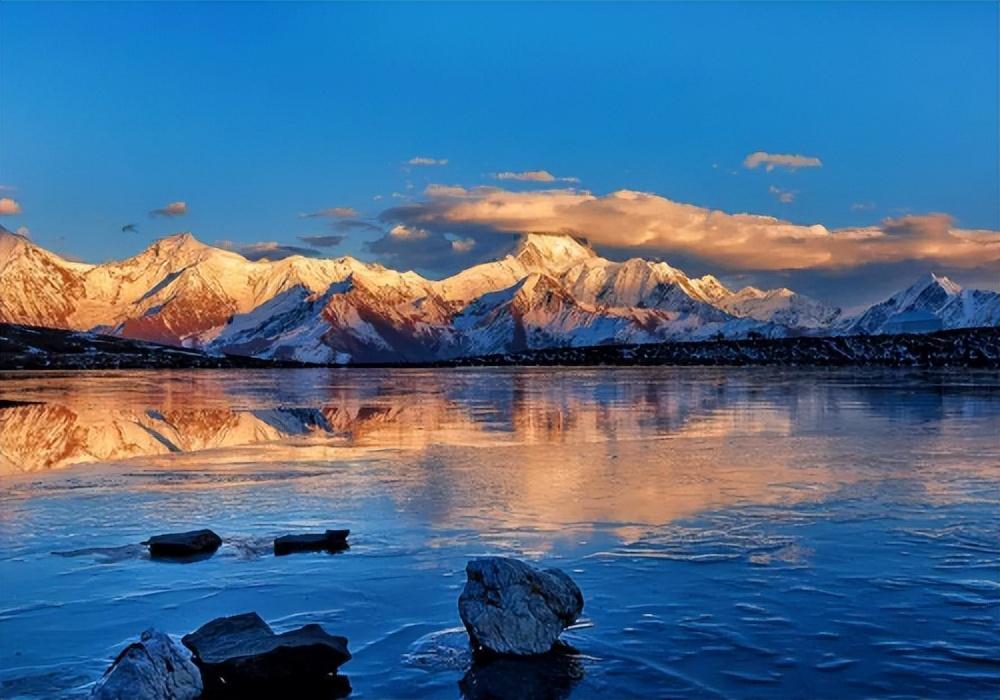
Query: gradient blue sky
point(254, 113)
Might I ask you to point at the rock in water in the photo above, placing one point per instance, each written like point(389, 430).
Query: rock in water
point(184, 544)
point(154, 668)
point(241, 656)
point(509, 607)
point(329, 541)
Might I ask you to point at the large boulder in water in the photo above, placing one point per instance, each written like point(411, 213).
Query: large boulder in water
point(510, 607)
point(184, 544)
point(154, 668)
point(241, 656)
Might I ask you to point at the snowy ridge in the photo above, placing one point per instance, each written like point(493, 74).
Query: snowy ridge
point(935, 295)
point(550, 291)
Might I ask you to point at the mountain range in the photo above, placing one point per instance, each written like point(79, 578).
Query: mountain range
point(550, 291)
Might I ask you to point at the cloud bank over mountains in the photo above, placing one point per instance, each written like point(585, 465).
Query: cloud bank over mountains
point(738, 242)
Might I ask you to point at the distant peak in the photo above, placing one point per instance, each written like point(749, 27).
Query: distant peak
point(181, 240)
point(182, 245)
point(937, 280)
point(552, 250)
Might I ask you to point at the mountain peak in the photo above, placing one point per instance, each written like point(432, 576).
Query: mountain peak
point(552, 250)
point(180, 241)
point(180, 248)
point(941, 281)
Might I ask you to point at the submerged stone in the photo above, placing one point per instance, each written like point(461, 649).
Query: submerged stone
point(184, 544)
point(510, 607)
point(329, 541)
point(241, 655)
point(154, 668)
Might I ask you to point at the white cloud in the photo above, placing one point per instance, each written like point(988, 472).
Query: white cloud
point(407, 232)
point(423, 160)
point(23, 231)
point(533, 176)
point(172, 209)
point(862, 206)
point(463, 245)
point(784, 196)
point(629, 219)
point(770, 161)
point(9, 207)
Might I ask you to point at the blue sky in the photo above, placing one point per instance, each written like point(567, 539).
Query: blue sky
point(251, 114)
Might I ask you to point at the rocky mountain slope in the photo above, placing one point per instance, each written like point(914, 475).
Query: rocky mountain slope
point(34, 347)
point(550, 291)
point(964, 347)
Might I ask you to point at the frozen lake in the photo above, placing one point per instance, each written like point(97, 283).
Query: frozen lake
point(735, 532)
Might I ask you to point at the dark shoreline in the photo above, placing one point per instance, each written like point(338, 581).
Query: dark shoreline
point(31, 348)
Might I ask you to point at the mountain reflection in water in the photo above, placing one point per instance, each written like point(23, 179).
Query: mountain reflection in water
point(821, 533)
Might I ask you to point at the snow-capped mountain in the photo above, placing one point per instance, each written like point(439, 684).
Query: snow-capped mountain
point(936, 297)
point(37, 287)
point(782, 306)
point(550, 291)
point(177, 291)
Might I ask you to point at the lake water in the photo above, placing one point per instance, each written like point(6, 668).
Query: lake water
point(739, 533)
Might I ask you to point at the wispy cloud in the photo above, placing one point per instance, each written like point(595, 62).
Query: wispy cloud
point(332, 212)
point(533, 176)
point(783, 196)
point(629, 219)
point(862, 206)
point(424, 160)
point(172, 209)
point(770, 161)
point(349, 225)
point(267, 250)
point(322, 241)
point(9, 207)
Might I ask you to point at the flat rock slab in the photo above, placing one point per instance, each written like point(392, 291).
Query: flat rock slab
point(154, 668)
point(184, 544)
point(510, 607)
point(242, 654)
point(329, 541)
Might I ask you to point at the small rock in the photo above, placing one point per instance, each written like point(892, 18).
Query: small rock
point(241, 656)
point(184, 544)
point(510, 607)
point(154, 668)
point(329, 541)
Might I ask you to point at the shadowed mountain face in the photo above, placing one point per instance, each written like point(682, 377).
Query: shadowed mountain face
point(552, 291)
